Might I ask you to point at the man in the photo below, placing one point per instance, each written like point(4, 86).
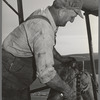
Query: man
point(35, 38)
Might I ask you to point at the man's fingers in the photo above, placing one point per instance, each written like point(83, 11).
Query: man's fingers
point(72, 58)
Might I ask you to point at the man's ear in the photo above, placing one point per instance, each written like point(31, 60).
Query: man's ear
point(62, 12)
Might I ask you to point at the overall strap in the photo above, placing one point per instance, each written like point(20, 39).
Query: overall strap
point(39, 16)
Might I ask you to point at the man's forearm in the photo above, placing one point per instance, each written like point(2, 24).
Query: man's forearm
point(62, 59)
point(59, 85)
point(57, 56)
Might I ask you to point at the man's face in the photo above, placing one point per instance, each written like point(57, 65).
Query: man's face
point(65, 16)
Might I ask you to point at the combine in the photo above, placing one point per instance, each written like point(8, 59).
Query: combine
point(89, 7)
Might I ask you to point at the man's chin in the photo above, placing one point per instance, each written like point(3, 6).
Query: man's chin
point(63, 24)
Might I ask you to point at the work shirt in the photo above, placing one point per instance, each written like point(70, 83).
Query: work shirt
point(40, 36)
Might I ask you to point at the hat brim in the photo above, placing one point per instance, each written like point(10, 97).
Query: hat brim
point(78, 12)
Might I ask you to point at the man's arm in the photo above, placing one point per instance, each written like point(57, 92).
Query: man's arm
point(62, 59)
point(60, 86)
point(57, 56)
point(43, 47)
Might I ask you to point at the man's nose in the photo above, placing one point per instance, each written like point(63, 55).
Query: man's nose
point(72, 19)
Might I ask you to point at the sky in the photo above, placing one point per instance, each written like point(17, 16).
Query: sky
point(71, 39)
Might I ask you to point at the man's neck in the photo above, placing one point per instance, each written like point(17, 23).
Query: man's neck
point(54, 14)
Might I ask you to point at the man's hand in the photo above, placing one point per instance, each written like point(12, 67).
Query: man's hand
point(70, 96)
point(67, 59)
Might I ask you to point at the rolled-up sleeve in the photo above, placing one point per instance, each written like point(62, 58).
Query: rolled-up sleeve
point(43, 50)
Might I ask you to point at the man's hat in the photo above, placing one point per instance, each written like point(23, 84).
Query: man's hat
point(75, 5)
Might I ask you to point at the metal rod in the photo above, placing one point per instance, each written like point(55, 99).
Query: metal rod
point(11, 7)
point(91, 56)
point(39, 89)
point(20, 11)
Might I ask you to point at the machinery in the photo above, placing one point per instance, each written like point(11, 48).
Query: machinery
point(89, 7)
